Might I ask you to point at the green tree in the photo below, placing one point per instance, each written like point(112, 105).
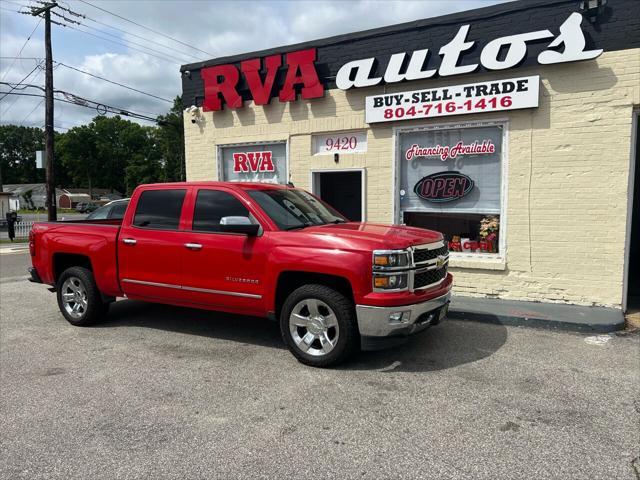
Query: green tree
point(18, 146)
point(170, 141)
point(112, 153)
point(76, 151)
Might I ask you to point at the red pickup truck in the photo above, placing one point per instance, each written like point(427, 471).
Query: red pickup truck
point(253, 249)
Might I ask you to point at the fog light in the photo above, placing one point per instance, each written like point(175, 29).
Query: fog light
point(400, 317)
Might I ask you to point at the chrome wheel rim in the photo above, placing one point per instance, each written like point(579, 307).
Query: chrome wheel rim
point(314, 327)
point(74, 297)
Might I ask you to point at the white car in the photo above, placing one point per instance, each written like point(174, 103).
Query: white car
point(113, 210)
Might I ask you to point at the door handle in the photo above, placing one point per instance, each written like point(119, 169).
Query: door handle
point(193, 246)
point(129, 241)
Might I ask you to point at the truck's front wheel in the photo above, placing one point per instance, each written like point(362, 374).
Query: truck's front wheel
point(79, 299)
point(319, 326)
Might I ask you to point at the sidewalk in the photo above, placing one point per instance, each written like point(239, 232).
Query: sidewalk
point(537, 315)
point(8, 248)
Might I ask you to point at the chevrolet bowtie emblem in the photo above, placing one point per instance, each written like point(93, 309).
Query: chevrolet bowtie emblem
point(440, 261)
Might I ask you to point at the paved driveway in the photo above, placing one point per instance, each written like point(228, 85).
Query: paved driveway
point(162, 392)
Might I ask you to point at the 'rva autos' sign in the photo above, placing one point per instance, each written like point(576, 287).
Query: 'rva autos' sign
point(443, 186)
point(221, 82)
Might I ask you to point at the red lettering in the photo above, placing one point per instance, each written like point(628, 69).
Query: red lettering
point(254, 160)
point(427, 188)
point(267, 163)
point(213, 87)
point(244, 162)
point(439, 187)
point(449, 187)
point(240, 162)
point(261, 92)
point(301, 61)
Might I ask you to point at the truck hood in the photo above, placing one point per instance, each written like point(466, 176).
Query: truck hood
point(376, 235)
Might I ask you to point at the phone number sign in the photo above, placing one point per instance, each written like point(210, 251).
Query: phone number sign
point(492, 96)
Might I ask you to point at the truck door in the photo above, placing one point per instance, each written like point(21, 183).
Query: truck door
point(220, 269)
point(150, 245)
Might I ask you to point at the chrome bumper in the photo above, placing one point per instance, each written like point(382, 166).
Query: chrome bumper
point(377, 321)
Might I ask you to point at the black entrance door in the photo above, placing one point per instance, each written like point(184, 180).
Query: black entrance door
point(343, 191)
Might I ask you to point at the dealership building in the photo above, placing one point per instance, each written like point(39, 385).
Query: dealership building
point(512, 129)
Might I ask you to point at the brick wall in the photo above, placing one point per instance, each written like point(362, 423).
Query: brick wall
point(568, 166)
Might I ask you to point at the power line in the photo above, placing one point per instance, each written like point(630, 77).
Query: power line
point(101, 108)
point(115, 83)
point(22, 48)
point(17, 98)
point(126, 32)
point(20, 82)
point(172, 61)
point(74, 22)
point(146, 28)
point(99, 77)
point(31, 112)
point(39, 87)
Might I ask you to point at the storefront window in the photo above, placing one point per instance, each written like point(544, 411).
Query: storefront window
point(450, 181)
point(254, 163)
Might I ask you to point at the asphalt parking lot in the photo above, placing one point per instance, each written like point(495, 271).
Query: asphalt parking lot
point(163, 392)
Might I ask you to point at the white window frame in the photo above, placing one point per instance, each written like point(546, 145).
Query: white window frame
point(221, 146)
point(363, 190)
point(504, 164)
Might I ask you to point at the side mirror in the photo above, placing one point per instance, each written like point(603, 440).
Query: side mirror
point(239, 225)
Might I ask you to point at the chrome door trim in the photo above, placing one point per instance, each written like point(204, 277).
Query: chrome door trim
point(192, 289)
point(152, 284)
point(222, 292)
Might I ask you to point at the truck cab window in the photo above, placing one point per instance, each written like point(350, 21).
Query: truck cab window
point(159, 209)
point(212, 205)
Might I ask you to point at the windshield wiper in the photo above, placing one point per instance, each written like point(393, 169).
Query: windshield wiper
point(302, 225)
point(337, 220)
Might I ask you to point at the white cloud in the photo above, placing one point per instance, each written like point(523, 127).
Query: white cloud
point(221, 28)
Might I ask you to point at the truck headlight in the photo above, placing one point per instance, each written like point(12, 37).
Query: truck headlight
point(384, 259)
point(390, 281)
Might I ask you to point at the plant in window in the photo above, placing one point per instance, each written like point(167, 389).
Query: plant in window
point(489, 227)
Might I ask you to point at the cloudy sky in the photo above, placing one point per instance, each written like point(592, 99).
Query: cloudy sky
point(214, 28)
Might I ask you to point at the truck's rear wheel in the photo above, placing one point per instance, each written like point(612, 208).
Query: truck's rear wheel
point(79, 299)
point(319, 326)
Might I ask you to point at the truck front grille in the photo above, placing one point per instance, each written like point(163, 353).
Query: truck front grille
point(421, 255)
point(423, 279)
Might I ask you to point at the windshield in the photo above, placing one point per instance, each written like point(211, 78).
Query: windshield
point(100, 213)
point(293, 208)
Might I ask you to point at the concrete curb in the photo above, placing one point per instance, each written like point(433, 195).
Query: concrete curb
point(537, 315)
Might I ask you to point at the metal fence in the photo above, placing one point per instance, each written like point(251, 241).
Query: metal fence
point(23, 229)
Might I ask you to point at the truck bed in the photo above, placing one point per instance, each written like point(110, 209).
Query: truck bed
point(57, 243)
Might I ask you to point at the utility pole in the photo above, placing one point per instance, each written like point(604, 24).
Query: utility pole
point(1, 158)
point(48, 110)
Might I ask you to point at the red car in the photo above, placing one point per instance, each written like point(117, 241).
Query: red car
point(256, 249)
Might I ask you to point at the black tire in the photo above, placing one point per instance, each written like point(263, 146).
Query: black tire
point(95, 308)
point(348, 340)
